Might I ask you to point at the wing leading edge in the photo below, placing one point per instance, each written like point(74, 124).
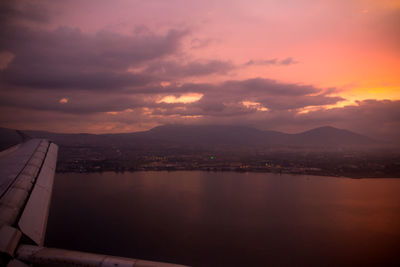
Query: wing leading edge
point(33, 221)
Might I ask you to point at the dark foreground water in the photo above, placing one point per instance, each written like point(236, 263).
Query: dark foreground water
point(229, 219)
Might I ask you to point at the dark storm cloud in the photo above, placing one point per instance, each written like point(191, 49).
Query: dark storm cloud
point(69, 58)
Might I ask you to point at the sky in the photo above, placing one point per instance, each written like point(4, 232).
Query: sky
point(100, 66)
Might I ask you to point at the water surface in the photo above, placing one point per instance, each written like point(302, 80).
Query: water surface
point(227, 218)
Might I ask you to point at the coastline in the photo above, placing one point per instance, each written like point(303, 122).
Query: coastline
point(321, 173)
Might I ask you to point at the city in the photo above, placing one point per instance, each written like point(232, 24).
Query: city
point(355, 164)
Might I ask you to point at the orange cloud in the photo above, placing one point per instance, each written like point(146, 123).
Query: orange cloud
point(185, 98)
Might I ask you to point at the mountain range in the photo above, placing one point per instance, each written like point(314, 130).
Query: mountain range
point(201, 136)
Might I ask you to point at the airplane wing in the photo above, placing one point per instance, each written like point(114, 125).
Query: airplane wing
point(26, 181)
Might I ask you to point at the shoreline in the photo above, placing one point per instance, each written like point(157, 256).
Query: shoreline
point(237, 171)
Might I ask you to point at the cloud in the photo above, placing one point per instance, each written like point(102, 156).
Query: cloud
point(69, 58)
point(377, 119)
point(174, 69)
point(269, 93)
point(63, 100)
point(103, 74)
point(224, 99)
point(273, 61)
point(185, 98)
point(22, 11)
point(74, 102)
point(288, 61)
point(43, 79)
point(374, 118)
point(197, 43)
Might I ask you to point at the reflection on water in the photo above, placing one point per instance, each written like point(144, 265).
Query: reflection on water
point(226, 218)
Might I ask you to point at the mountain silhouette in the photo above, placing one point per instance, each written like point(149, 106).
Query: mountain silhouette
point(205, 136)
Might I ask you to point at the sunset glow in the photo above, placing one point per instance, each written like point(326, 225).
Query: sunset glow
point(257, 106)
point(63, 100)
point(186, 98)
point(200, 133)
point(273, 65)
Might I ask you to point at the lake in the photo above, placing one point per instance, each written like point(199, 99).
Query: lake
point(228, 219)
